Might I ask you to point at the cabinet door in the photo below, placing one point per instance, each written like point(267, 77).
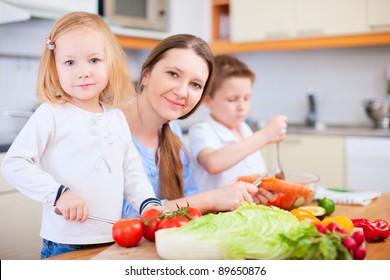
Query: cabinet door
point(367, 163)
point(319, 155)
point(330, 17)
point(261, 19)
point(20, 220)
point(379, 14)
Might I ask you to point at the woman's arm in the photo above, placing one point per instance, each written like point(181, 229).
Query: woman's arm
point(226, 198)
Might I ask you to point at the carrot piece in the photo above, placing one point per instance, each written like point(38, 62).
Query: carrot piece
point(249, 178)
point(277, 185)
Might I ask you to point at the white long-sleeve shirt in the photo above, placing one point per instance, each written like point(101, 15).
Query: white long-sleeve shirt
point(92, 154)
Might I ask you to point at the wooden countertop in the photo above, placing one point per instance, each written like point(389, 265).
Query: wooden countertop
point(377, 209)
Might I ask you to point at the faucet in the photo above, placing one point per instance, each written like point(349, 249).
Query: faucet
point(311, 119)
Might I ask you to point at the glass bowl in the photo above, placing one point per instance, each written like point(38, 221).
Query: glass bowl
point(290, 201)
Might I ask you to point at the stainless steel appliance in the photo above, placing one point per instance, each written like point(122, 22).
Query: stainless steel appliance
point(144, 14)
point(378, 110)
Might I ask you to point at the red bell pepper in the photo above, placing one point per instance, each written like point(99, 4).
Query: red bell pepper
point(378, 229)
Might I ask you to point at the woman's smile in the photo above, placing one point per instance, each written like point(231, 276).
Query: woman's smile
point(174, 103)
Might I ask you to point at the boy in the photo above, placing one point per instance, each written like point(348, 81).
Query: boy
point(224, 147)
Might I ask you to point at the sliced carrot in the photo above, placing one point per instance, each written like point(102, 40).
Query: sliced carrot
point(278, 185)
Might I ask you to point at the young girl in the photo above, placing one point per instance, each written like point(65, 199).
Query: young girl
point(223, 147)
point(174, 79)
point(75, 153)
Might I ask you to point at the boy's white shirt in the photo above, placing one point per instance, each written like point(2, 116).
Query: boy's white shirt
point(92, 154)
point(211, 134)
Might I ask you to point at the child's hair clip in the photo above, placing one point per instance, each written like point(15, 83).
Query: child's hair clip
point(49, 43)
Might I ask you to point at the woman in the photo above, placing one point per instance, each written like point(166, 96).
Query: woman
point(174, 79)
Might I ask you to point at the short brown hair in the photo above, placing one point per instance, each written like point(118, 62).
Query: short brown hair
point(226, 66)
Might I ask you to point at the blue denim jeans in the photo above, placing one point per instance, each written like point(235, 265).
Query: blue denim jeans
point(50, 248)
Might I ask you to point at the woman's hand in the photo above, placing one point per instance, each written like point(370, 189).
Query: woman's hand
point(72, 207)
point(263, 196)
point(230, 196)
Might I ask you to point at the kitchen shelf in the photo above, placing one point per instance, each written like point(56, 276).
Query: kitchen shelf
point(360, 40)
point(136, 42)
point(225, 46)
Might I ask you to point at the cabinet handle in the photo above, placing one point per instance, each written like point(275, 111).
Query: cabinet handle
point(310, 32)
point(380, 26)
point(277, 35)
point(295, 141)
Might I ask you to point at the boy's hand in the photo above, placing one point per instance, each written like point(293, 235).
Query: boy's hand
point(275, 129)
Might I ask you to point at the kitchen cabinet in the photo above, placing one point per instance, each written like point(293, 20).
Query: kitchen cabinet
point(223, 8)
point(330, 17)
point(378, 14)
point(367, 163)
point(20, 219)
point(321, 155)
point(261, 20)
point(264, 20)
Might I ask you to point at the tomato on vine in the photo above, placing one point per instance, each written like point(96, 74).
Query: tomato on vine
point(173, 222)
point(151, 218)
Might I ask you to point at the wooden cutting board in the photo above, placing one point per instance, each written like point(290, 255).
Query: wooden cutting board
point(145, 250)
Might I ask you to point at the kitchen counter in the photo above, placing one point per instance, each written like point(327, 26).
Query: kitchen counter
point(377, 209)
point(6, 140)
point(339, 130)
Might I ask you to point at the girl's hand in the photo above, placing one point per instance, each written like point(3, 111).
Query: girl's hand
point(72, 207)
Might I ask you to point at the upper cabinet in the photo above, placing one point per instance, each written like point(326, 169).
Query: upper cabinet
point(378, 14)
point(329, 17)
point(281, 19)
point(261, 20)
point(262, 25)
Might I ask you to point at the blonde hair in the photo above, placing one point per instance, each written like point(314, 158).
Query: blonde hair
point(119, 87)
point(171, 166)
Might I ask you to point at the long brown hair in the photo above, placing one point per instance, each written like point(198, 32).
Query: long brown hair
point(119, 87)
point(170, 146)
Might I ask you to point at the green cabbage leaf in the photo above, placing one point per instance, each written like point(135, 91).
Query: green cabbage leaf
point(250, 232)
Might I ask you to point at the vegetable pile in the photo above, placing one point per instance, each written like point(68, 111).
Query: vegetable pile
point(250, 232)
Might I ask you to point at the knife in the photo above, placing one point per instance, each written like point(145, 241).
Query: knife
point(257, 182)
point(58, 212)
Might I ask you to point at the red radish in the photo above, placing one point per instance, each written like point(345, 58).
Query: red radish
point(349, 243)
point(333, 226)
point(359, 237)
point(359, 253)
point(321, 228)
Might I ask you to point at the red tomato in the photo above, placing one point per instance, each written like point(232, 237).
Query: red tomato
point(193, 212)
point(151, 220)
point(173, 222)
point(128, 232)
